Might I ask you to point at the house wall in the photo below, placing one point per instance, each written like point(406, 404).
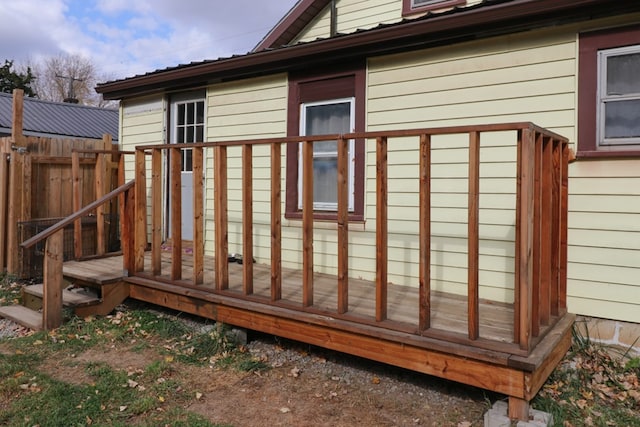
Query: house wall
point(247, 109)
point(528, 77)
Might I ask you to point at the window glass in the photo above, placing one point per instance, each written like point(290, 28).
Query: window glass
point(623, 74)
point(188, 128)
point(324, 118)
point(622, 119)
point(619, 97)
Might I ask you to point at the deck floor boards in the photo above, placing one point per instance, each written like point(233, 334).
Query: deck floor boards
point(448, 311)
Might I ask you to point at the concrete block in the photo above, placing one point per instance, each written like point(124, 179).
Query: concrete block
point(497, 416)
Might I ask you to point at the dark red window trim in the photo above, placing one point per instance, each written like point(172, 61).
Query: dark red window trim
point(590, 43)
point(319, 86)
point(407, 9)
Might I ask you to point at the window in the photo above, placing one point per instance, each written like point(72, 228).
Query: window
point(323, 118)
point(609, 93)
point(619, 97)
point(188, 120)
point(416, 6)
point(326, 103)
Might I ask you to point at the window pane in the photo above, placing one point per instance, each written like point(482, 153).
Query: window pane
point(190, 113)
point(325, 178)
point(200, 112)
point(328, 119)
point(187, 161)
point(190, 134)
point(623, 74)
point(180, 136)
point(200, 133)
point(621, 119)
point(180, 114)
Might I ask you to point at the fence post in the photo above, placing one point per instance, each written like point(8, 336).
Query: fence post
point(52, 289)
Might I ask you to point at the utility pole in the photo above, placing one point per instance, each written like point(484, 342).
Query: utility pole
point(71, 93)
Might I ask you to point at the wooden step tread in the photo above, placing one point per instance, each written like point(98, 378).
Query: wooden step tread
point(22, 315)
point(79, 298)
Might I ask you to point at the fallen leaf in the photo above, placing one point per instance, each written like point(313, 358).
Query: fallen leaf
point(198, 396)
point(123, 408)
point(295, 372)
point(375, 380)
point(464, 424)
point(161, 398)
point(132, 383)
point(285, 410)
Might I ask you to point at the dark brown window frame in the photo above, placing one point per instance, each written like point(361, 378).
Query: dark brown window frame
point(320, 86)
point(409, 9)
point(590, 44)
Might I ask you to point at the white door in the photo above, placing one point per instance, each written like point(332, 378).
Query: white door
point(188, 127)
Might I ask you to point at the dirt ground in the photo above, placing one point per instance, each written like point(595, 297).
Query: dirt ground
point(304, 386)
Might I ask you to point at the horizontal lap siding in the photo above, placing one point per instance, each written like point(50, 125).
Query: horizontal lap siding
point(502, 80)
point(142, 123)
point(604, 238)
point(247, 109)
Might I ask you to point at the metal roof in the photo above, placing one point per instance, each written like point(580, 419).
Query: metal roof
point(488, 18)
point(58, 119)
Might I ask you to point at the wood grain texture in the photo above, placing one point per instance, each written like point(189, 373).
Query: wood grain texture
point(52, 292)
point(276, 221)
point(473, 237)
point(343, 225)
point(140, 219)
point(424, 321)
point(156, 212)
point(307, 223)
point(198, 216)
point(247, 219)
point(175, 190)
point(382, 250)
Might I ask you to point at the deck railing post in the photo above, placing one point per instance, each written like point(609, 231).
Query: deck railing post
point(564, 203)
point(382, 249)
point(473, 317)
point(546, 239)
point(52, 289)
point(221, 217)
point(343, 226)
point(198, 216)
point(276, 222)
point(175, 173)
point(140, 221)
point(556, 180)
point(424, 314)
point(247, 219)
point(307, 223)
point(537, 236)
point(156, 212)
point(524, 238)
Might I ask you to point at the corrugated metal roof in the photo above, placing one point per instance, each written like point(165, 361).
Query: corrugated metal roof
point(60, 119)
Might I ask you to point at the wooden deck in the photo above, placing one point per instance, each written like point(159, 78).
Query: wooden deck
point(449, 311)
point(507, 348)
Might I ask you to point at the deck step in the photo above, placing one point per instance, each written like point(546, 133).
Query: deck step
point(22, 315)
point(79, 297)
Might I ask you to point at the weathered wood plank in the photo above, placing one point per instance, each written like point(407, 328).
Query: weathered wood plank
point(140, 219)
point(4, 207)
point(247, 219)
point(307, 223)
point(276, 221)
point(546, 216)
point(198, 216)
point(221, 217)
point(382, 249)
point(175, 178)
point(424, 310)
point(556, 213)
point(473, 236)
point(156, 212)
point(343, 225)
point(537, 237)
point(564, 210)
point(100, 174)
point(52, 293)
point(77, 203)
point(524, 233)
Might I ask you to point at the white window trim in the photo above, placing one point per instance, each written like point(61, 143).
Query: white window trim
point(603, 98)
point(181, 100)
point(331, 207)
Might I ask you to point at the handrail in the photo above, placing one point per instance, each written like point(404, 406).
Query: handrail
point(76, 215)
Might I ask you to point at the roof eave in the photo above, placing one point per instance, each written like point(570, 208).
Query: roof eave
point(490, 20)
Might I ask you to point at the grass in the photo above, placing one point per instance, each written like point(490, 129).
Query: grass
point(151, 396)
point(595, 385)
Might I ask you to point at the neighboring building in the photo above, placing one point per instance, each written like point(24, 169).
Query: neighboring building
point(568, 65)
point(59, 120)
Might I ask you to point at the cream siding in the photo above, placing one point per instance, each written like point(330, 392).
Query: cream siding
point(518, 78)
point(143, 122)
point(246, 109)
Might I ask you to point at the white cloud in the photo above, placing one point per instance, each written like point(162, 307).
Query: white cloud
point(127, 37)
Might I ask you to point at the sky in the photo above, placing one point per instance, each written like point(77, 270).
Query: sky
point(124, 38)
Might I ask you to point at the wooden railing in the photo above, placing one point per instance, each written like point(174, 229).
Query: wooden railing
point(540, 223)
point(53, 259)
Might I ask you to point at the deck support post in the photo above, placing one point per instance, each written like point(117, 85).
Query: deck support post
point(343, 226)
point(473, 316)
point(307, 223)
point(198, 216)
point(518, 409)
point(382, 216)
point(140, 225)
point(52, 289)
point(424, 313)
